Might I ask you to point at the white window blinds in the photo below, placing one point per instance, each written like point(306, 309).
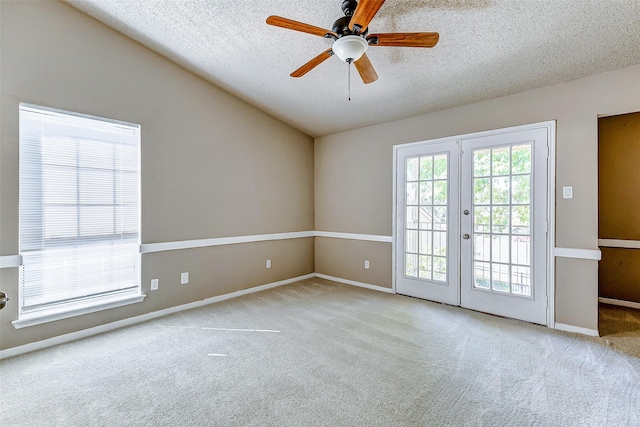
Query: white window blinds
point(79, 209)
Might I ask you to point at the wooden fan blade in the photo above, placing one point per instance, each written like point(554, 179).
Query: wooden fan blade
point(290, 24)
point(366, 70)
point(404, 39)
point(313, 63)
point(364, 13)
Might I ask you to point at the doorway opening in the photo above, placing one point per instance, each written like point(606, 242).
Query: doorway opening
point(619, 224)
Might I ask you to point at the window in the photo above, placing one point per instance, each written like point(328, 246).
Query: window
point(79, 213)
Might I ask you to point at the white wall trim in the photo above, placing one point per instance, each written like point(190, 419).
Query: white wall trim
point(354, 283)
point(621, 303)
point(576, 329)
point(146, 248)
point(592, 254)
point(354, 236)
point(616, 243)
point(39, 345)
point(8, 261)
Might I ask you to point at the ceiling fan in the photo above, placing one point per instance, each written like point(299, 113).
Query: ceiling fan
point(352, 39)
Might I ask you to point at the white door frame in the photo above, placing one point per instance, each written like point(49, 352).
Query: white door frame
point(550, 127)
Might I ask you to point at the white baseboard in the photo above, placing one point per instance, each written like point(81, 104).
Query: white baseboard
point(620, 302)
point(39, 345)
point(577, 329)
point(354, 283)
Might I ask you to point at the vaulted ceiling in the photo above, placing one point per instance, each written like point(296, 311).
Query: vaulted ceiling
point(487, 49)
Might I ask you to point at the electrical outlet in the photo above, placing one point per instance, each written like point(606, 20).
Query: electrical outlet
point(268, 263)
point(184, 278)
point(567, 192)
point(366, 264)
point(154, 284)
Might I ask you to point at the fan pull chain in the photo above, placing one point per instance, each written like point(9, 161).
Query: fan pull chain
point(349, 79)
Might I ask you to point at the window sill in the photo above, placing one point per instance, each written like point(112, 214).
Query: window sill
point(78, 310)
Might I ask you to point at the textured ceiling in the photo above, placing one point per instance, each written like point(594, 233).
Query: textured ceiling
point(487, 49)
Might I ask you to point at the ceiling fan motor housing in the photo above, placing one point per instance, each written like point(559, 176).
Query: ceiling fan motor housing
point(350, 45)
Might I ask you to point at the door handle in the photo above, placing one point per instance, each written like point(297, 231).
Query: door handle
point(465, 236)
point(4, 299)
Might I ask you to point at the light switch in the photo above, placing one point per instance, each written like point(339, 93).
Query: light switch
point(154, 284)
point(184, 278)
point(567, 192)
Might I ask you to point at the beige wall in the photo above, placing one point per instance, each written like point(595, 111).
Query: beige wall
point(353, 173)
point(212, 165)
point(335, 251)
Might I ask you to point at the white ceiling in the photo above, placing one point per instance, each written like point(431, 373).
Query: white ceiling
point(487, 49)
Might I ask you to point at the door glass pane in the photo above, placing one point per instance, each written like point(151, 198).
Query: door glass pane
point(412, 241)
point(426, 218)
point(502, 219)
point(439, 268)
point(482, 275)
point(521, 158)
point(440, 218)
point(411, 265)
point(520, 250)
point(500, 191)
point(426, 208)
point(481, 191)
point(500, 248)
point(500, 277)
point(500, 161)
point(440, 192)
point(440, 167)
point(412, 169)
point(481, 219)
point(482, 163)
point(425, 267)
point(412, 193)
point(440, 243)
point(412, 217)
point(520, 189)
point(520, 220)
point(426, 238)
point(482, 247)
point(426, 192)
point(426, 168)
point(521, 280)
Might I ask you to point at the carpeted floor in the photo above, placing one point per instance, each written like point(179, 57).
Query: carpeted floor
point(319, 353)
point(620, 328)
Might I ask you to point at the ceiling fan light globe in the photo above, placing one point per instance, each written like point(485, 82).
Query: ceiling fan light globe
point(350, 48)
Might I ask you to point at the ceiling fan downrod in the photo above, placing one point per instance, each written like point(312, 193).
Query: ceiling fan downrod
point(349, 61)
point(341, 25)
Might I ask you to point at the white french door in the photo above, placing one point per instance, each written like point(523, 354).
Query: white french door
point(504, 224)
point(472, 221)
point(427, 223)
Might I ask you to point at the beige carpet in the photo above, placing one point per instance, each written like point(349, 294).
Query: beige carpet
point(620, 328)
point(318, 353)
